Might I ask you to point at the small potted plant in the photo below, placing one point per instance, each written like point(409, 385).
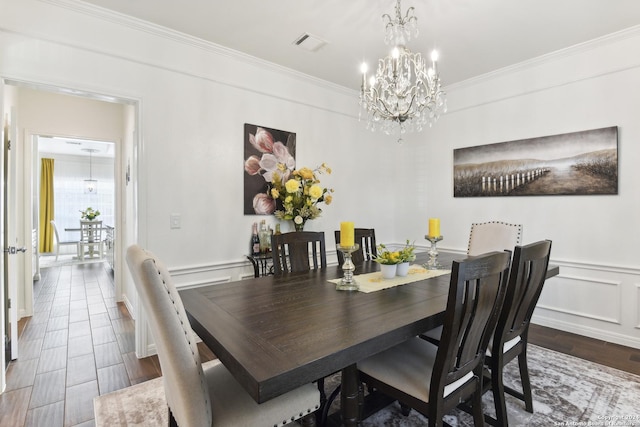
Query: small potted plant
point(89, 214)
point(388, 261)
point(407, 256)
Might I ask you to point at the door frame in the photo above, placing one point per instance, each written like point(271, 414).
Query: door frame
point(125, 174)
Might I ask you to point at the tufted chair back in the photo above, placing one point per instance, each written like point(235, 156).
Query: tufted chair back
point(184, 382)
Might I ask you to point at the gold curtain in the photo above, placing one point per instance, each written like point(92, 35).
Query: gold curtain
point(46, 206)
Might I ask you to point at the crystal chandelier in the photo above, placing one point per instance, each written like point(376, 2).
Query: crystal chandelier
point(404, 94)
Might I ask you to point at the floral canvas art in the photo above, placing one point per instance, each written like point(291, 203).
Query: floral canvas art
point(266, 151)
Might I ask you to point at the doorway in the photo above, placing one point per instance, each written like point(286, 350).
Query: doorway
point(82, 178)
point(54, 111)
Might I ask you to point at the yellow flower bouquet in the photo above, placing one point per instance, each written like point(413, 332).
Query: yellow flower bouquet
point(298, 194)
point(385, 256)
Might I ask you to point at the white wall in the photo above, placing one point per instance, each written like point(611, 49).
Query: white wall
point(195, 98)
point(595, 238)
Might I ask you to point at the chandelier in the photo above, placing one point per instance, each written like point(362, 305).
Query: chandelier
point(404, 94)
point(90, 185)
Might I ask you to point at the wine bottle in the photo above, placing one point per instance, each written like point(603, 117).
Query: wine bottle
point(255, 240)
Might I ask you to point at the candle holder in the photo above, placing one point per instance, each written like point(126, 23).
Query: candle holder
point(433, 263)
point(348, 283)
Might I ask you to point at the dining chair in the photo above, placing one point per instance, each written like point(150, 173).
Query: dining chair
point(90, 238)
point(485, 237)
point(526, 279)
point(62, 243)
point(366, 238)
point(200, 395)
point(292, 251)
point(493, 236)
point(435, 379)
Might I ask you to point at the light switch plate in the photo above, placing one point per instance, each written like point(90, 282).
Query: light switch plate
point(175, 220)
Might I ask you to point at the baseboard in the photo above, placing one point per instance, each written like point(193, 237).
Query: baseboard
point(586, 331)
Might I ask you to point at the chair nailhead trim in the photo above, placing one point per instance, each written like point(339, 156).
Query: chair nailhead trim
point(196, 358)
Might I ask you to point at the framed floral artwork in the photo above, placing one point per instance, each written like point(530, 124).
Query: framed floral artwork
point(577, 163)
point(266, 151)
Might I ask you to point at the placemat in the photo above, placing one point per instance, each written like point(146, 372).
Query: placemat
point(372, 282)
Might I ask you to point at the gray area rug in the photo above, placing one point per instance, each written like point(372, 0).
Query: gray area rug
point(566, 391)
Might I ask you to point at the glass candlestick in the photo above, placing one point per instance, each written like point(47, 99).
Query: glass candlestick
point(348, 283)
point(433, 263)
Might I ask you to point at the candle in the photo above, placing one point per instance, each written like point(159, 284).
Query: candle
point(346, 234)
point(434, 227)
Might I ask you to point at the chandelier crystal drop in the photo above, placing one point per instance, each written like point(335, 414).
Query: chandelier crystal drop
point(405, 93)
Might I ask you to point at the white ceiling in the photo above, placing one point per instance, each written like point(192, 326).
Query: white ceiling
point(474, 37)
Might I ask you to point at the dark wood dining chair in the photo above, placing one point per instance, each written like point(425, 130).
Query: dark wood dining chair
point(366, 238)
point(203, 395)
point(526, 279)
point(298, 251)
point(435, 379)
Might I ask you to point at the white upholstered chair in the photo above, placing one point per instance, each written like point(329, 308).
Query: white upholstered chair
point(493, 236)
point(62, 243)
point(203, 396)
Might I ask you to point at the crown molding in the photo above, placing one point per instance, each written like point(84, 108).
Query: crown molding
point(117, 18)
point(548, 58)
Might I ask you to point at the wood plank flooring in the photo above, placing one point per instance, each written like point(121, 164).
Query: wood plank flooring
point(80, 344)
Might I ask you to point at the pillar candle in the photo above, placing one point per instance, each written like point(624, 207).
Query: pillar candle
point(346, 234)
point(434, 227)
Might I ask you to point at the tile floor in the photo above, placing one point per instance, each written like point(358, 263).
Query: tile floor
point(79, 344)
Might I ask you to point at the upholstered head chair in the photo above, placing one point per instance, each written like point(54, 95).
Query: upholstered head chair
point(493, 236)
point(201, 397)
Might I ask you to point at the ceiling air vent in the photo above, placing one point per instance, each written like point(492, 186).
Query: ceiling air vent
point(309, 42)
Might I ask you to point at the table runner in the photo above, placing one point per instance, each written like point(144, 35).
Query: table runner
point(372, 282)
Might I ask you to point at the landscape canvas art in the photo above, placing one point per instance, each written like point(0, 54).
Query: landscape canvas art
point(266, 151)
point(577, 163)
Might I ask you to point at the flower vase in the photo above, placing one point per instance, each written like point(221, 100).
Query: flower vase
point(402, 269)
point(388, 270)
point(299, 227)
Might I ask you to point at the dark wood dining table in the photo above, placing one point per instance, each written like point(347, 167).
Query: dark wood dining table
point(276, 333)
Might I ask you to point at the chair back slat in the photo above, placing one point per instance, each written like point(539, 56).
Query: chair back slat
point(476, 294)
point(298, 251)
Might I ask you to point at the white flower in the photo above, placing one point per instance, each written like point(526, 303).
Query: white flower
point(298, 219)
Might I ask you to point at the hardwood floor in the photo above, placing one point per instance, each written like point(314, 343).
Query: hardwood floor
point(80, 344)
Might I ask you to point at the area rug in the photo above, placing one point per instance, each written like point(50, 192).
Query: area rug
point(566, 391)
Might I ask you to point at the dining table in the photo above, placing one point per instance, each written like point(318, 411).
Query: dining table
point(276, 333)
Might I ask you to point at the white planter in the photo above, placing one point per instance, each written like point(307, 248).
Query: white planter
point(402, 269)
point(388, 270)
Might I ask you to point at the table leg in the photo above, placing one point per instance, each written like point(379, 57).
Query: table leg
point(351, 396)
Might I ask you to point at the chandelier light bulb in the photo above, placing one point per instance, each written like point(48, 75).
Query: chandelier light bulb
point(434, 55)
point(364, 68)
